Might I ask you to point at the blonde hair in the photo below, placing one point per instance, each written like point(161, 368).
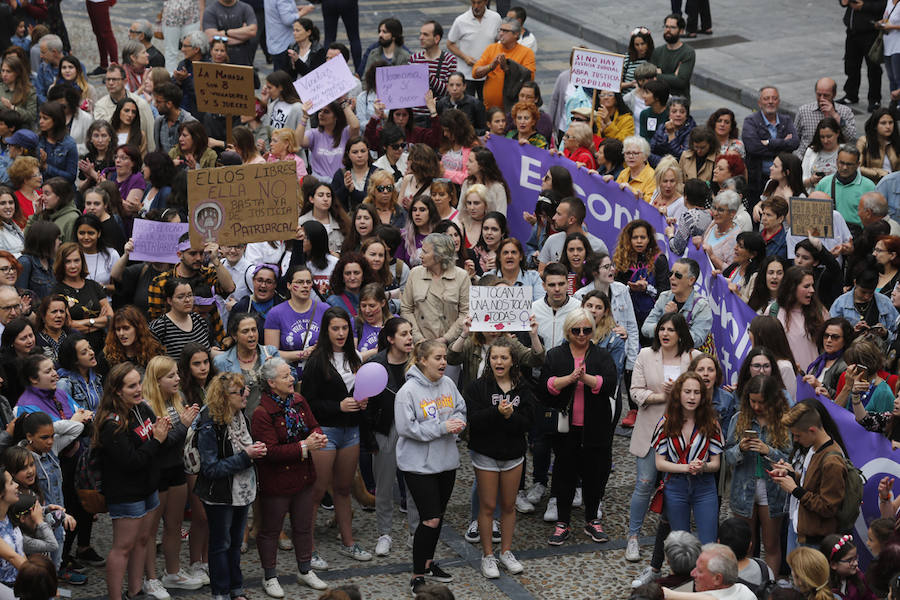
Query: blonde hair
point(424, 349)
point(573, 318)
point(811, 573)
point(157, 368)
point(217, 396)
point(381, 177)
point(287, 136)
point(668, 163)
point(479, 190)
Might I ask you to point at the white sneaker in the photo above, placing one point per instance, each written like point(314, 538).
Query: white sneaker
point(409, 540)
point(355, 552)
point(311, 580)
point(489, 567)
point(273, 588)
point(632, 550)
point(472, 536)
point(383, 546)
point(155, 589)
point(648, 575)
point(551, 515)
point(181, 580)
point(318, 563)
point(511, 563)
point(577, 501)
point(536, 492)
point(200, 571)
point(522, 503)
point(495, 532)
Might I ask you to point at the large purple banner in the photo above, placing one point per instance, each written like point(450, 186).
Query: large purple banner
point(609, 208)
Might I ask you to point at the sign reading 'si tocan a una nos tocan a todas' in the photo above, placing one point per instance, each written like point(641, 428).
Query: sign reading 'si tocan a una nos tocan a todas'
point(224, 89)
point(249, 203)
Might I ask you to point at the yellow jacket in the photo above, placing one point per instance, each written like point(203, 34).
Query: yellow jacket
point(619, 128)
point(644, 182)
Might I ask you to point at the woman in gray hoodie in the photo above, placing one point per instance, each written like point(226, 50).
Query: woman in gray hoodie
point(429, 413)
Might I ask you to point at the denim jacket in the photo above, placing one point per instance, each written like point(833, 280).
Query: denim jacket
point(887, 315)
point(743, 483)
point(219, 463)
point(615, 345)
point(62, 158)
point(35, 277)
point(85, 393)
point(696, 311)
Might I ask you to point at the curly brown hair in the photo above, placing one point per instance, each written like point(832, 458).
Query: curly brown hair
point(146, 345)
point(625, 257)
point(705, 416)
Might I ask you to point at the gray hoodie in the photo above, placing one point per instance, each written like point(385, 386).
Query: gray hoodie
point(421, 408)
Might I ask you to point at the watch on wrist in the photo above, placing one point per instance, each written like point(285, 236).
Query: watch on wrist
point(92, 322)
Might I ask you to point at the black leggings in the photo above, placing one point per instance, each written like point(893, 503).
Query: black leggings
point(348, 11)
point(431, 494)
point(573, 459)
point(85, 520)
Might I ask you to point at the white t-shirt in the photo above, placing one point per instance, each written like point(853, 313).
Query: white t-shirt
point(738, 591)
point(100, 265)
point(474, 36)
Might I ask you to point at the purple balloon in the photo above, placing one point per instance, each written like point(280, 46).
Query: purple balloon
point(371, 379)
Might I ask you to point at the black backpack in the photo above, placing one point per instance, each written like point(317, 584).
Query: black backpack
point(761, 590)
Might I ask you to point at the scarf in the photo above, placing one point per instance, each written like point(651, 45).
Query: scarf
point(817, 366)
point(293, 420)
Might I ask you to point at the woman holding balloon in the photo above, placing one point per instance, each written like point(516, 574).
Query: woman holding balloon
point(328, 381)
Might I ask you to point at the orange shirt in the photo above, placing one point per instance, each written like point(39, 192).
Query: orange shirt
point(493, 85)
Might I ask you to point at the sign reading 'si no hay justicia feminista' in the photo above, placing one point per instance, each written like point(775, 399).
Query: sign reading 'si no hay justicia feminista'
point(249, 203)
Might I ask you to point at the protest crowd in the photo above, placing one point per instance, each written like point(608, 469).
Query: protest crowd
point(725, 293)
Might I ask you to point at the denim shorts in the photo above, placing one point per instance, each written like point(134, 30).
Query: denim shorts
point(486, 463)
point(134, 510)
point(341, 437)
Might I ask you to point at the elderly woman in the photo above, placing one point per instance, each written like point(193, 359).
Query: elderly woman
point(194, 47)
point(700, 160)
point(720, 237)
point(525, 115)
point(135, 60)
point(127, 176)
point(579, 379)
point(667, 198)
point(578, 145)
point(436, 297)
point(284, 422)
point(673, 137)
point(637, 174)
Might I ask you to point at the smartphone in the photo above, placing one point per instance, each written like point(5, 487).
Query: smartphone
point(751, 434)
point(820, 173)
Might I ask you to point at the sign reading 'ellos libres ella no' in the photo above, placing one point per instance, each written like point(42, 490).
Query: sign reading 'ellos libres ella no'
point(249, 203)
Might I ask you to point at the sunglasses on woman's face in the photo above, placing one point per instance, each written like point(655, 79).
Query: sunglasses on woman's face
point(582, 330)
point(384, 188)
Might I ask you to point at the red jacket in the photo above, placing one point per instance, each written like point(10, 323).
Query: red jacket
point(282, 472)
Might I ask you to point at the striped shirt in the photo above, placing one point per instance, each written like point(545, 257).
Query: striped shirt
point(175, 339)
point(439, 70)
point(701, 447)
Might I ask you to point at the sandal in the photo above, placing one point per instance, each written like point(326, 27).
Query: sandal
point(690, 34)
point(707, 32)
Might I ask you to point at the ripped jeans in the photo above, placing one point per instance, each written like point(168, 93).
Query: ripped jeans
point(644, 486)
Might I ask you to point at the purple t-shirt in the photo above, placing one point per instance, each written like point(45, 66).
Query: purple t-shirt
point(324, 157)
point(298, 331)
point(368, 337)
point(135, 181)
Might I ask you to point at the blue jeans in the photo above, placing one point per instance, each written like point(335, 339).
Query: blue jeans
point(892, 66)
point(697, 493)
point(643, 489)
point(226, 532)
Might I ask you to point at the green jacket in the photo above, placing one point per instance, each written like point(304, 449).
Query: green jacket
point(27, 109)
point(63, 216)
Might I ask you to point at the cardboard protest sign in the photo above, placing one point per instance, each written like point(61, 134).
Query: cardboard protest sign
point(224, 89)
point(249, 203)
point(403, 86)
point(500, 308)
point(326, 83)
point(597, 70)
point(155, 241)
point(812, 216)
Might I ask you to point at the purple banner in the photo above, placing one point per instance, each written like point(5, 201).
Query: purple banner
point(731, 316)
point(609, 208)
point(870, 452)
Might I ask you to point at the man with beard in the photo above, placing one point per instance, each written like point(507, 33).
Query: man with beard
point(390, 47)
point(675, 60)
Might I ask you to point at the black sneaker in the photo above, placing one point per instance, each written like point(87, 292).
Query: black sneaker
point(74, 565)
point(560, 535)
point(90, 557)
point(97, 72)
point(437, 573)
point(847, 100)
point(595, 531)
point(416, 584)
point(327, 503)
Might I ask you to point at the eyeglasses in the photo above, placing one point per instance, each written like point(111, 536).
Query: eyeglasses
point(397, 146)
point(303, 283)
point(832, 336)
point(263, 281)
point(582, 330)
point(584, 120)
point(240, 392)
point(112, 79)
point(220, 38)
point(607, 266)
point(719, 209)
point(850, 561)
point(632, 153)
point(134, 32)
point(10, 307)
point(760, 366)
point(7, 269)
point(384, 188)
point(184, 297)
point(506, 30)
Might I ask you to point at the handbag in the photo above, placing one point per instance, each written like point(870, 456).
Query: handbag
point(876, 50)
point(656, 502)
point(562, 422)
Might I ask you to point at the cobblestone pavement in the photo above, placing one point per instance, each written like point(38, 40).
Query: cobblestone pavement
point(578, 569)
